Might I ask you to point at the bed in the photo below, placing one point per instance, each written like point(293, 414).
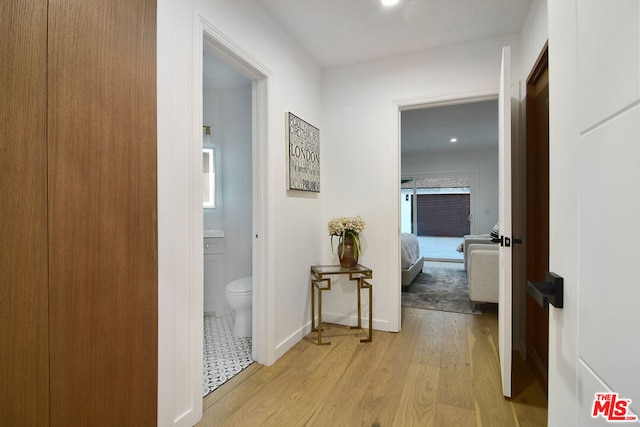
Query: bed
point(411, 262)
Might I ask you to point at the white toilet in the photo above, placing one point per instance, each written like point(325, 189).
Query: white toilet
point(238, 295)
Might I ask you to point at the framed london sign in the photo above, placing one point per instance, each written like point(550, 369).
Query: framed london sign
point(303, 141)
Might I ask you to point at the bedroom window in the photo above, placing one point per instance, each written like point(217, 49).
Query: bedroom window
point(436, 205)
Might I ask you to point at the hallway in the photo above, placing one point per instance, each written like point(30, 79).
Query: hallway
point(441, 370)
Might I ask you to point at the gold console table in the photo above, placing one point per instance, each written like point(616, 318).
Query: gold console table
point(320, 282)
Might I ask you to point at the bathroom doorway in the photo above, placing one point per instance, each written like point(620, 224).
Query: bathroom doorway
point(227, 216)
point(233, 108)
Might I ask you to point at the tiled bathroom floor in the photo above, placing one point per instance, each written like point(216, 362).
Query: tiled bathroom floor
point(224, 354)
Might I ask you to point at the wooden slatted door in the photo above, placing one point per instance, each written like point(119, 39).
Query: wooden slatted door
point(78, 271)
point(24, 341)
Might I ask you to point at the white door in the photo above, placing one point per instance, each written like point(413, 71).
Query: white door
point(594, 142)
point(504, 208)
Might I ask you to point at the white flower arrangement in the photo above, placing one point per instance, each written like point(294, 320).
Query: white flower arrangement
point(347, 226)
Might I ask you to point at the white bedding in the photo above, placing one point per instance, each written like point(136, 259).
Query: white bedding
point(410, 250)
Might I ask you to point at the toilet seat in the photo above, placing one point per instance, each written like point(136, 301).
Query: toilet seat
point(240, 286)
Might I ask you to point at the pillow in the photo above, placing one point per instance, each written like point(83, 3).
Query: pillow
point(495, 232)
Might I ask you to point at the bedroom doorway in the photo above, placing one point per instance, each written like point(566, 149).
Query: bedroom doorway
point(449, 166)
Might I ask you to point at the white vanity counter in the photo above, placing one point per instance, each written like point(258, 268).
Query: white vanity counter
point(211, 232)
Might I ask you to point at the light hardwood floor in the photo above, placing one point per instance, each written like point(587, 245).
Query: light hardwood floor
point(441, 370)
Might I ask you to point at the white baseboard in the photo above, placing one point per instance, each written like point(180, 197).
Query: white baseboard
point(352, 320)
point(340, 319)
point(292, 340)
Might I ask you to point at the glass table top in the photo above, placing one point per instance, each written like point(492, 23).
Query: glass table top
point(337, 269)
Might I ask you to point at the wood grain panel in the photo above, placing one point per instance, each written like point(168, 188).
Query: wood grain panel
point(102, 212)
point(24, 358)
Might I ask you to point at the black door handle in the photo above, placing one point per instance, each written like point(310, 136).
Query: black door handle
point(506, 242)
point(549, 292)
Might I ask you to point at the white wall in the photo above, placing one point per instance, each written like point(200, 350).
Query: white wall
point(362, 162)
point(533, 36)
point(482, 162)
point(293, 231)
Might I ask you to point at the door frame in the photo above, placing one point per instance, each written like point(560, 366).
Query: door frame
point(541, 64)
point(206, 36)
point(414, 103)
point(505, 215)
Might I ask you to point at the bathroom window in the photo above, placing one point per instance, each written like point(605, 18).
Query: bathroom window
point(209, 176)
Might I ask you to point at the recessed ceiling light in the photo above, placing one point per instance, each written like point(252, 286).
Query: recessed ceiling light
point(389, 2)
point(453, 140)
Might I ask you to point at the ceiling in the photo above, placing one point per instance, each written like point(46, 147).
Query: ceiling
point(474, 125)
point(340, 32)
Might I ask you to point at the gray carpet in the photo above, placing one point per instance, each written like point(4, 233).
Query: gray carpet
point(440, 289)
